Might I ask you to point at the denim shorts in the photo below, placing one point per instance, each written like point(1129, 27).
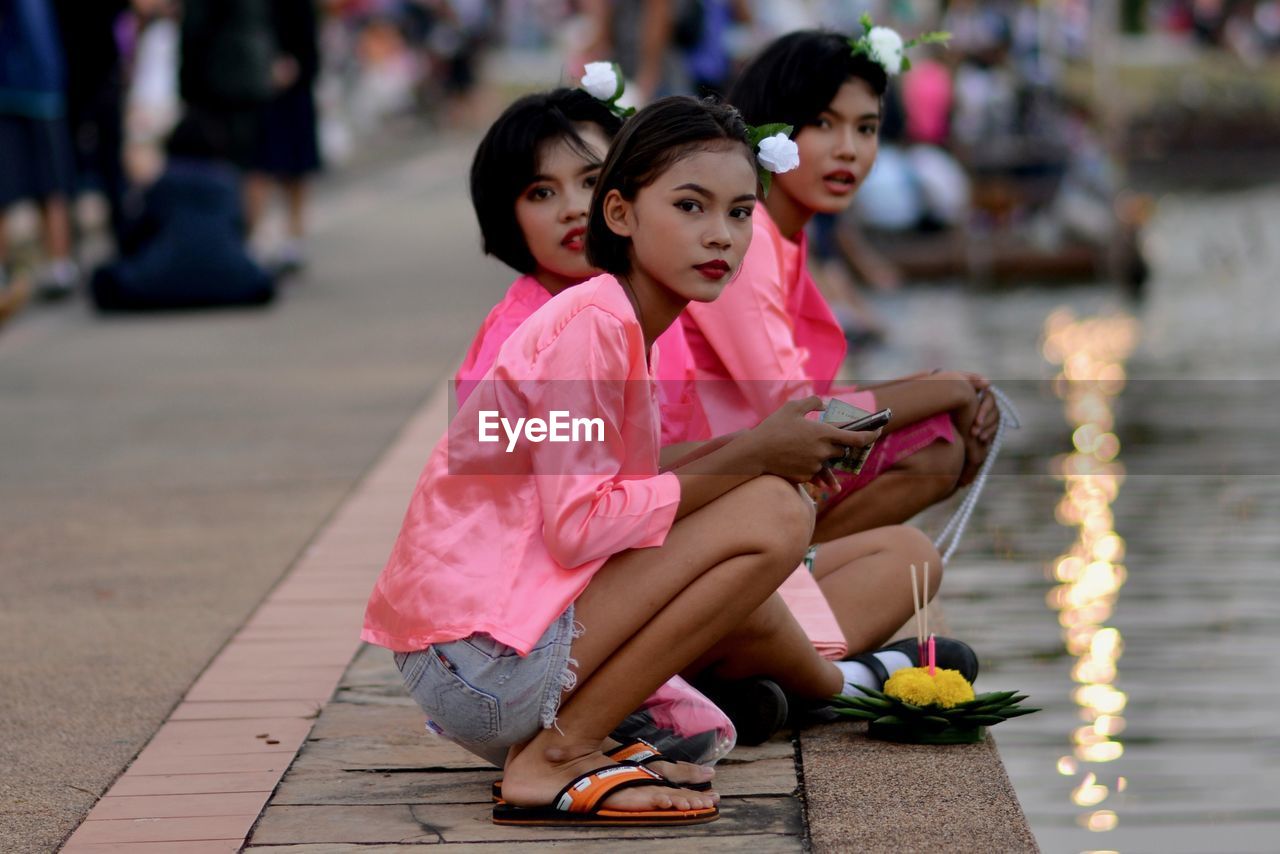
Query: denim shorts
point(483, 695)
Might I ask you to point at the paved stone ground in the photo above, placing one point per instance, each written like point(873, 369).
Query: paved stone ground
point(158, 474)
point(369, 775)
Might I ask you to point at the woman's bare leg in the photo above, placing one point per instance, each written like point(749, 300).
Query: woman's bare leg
point(647, 614)
point(257, 195)
point(907, 487)
point(953, 393)
point(772, 644)
point(866, 580)
point(295, 192)
point(56, 214)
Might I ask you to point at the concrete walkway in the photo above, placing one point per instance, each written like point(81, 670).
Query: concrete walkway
point(368, 775)
point(171, 482)
point(159, 474)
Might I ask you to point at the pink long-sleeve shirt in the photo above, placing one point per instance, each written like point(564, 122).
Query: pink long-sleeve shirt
point(682, 417)
point(523, 298)
point(769, 338)
point(501, 542)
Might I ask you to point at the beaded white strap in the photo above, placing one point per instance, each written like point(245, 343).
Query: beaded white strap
point(954, 530)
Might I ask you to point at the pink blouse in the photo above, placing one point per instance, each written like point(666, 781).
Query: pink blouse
point(682, 417)
point(523, 298)
point(502, 542)
point(769, 338)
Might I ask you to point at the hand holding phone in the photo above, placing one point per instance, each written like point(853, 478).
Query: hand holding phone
point(848, 417)
point(874, 421)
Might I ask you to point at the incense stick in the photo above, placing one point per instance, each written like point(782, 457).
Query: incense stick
point(915, 607)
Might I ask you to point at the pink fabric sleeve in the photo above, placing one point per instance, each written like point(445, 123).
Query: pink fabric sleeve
point(767, 366)
point(600, 498)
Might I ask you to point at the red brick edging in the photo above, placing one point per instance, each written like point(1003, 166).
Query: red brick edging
point(200, 783)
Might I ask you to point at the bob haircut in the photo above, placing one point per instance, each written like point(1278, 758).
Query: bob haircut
point(797, 76)
point(654, 139)
point(507, 161)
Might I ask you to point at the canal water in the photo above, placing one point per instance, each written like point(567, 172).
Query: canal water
point(1122, 566)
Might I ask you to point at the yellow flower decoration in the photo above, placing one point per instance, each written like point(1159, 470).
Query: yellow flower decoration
point(946, 688)
point(913, 684)
point(953, 688)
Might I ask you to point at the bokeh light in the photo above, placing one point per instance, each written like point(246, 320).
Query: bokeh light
point(1091, 353)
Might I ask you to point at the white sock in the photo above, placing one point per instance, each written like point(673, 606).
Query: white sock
point(856, 673)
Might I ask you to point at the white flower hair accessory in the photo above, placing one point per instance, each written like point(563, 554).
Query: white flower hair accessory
point(776, 152)
point(604, 82)
point(883, 45)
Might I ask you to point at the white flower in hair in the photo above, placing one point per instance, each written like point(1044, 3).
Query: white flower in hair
point(885, 47)
point(601, 80)
point(778, 153)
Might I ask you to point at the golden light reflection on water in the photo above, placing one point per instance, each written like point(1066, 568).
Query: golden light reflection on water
point(1091, 353)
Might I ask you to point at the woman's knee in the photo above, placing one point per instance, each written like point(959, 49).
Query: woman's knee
point(765, 622)
point(784, 517)
point(914, 546)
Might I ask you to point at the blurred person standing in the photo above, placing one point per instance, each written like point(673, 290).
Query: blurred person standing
point(230, 69)
point(709, 61)
point(152, 105)
point(289, 151)
point(645, 38)
point(95, 96)
point(35, 152)
point(985, 96)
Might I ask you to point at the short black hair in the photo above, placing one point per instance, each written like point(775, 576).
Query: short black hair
point(654, 139)
point(507, 161)
point(797, 76)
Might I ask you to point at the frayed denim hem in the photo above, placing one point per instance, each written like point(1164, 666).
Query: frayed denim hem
point(566, 680)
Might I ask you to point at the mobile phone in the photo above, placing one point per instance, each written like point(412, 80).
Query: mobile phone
point(874, 421)
point(847, 417)
point(840, 413)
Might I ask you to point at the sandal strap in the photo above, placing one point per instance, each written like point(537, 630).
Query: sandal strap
point(638, 752)
point(586, 791)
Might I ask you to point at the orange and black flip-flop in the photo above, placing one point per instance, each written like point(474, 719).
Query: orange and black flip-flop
point(578, 803)
point(638, 752)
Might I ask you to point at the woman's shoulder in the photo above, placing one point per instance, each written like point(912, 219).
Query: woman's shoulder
point(582, 322)
point(527, 291)
point(599, 302)
point(522, 299)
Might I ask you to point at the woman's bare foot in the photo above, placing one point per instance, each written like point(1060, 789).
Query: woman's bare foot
point(535, 775)
point(671, 770)
point(683, 773)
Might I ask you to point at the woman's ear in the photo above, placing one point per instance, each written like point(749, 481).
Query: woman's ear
point(618, 214)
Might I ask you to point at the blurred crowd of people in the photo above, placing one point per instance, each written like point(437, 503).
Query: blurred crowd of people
point(91, 93)
point(81, 82)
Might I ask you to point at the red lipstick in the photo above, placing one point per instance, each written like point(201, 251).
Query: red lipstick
point(572, 239)
point(840, 182)
point(713, 270)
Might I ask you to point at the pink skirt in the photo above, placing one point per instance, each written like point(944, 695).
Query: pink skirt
point(891, 448)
